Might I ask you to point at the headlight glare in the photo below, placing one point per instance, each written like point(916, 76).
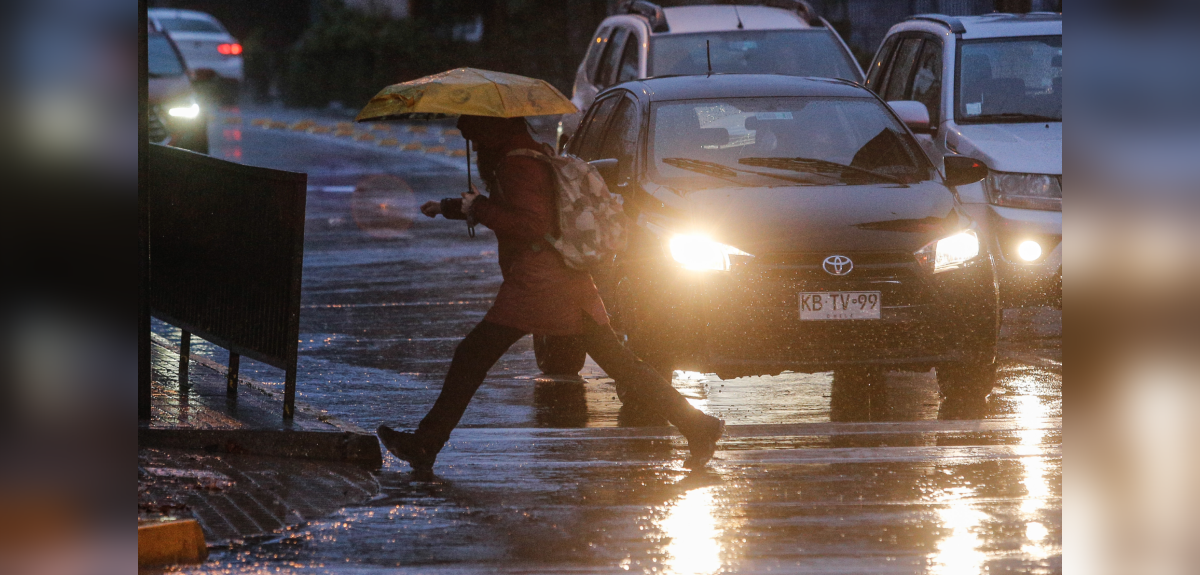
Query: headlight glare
point(189, 111)
point(1032, 191)
point(699, 252)
point(950, 252)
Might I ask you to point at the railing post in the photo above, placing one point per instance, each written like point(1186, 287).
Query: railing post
point(231, 379)
point(185, 349)
point(289, 393)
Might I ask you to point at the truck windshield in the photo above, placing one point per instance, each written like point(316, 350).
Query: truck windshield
point(788, 52)
point(782, 141)
point(1010, 80)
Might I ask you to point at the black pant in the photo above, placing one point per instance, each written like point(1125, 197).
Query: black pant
point(482, 348)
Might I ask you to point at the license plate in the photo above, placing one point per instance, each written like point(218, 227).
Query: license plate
point(839, 305)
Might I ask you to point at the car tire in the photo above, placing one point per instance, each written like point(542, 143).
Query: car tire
point(967, 382)
point(559, 354)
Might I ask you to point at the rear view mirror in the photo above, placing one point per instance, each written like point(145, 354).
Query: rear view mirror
point(713, 136)
point(914, 115)
point(608, 168)
point(961, 170)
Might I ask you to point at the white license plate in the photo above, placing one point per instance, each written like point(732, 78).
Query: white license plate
point(840, 305)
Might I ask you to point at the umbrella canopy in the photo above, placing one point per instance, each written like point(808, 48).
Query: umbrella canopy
point(466, 91)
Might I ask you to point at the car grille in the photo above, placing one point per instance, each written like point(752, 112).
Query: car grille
point(764, 313)
point(158, 131)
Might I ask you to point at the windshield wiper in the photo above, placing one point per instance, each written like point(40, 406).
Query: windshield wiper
point(813, 165)
point(722, 171)
point(1016, 116)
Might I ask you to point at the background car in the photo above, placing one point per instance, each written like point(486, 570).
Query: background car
point(176, 115)
point(790, 224)
point(992, 89)
point(645, 40)
point(210, 52)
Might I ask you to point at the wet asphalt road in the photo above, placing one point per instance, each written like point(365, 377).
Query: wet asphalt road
point(544, 477)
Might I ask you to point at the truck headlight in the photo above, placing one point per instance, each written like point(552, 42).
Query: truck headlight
point(1032, 191)
point(189, 111)
point(950, 252)
point(699, 252)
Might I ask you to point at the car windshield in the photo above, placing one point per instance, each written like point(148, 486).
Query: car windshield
point(162, 59)
point(189, 25)
point(1010, 80)
point(781, 141)
point(787, 52)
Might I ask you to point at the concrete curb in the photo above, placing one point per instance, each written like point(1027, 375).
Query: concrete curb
point(345, 447)
point(171, 542)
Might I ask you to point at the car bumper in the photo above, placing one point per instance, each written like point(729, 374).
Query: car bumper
point(1024, 283)
point(748, 322)
point(229, 69)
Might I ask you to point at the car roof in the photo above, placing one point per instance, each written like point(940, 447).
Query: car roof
point(995, 25)
point(1000, 25)
point(176, 13)
point(740, 86)
point(724, 18)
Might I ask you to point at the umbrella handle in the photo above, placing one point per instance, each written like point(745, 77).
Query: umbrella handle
point(470, 220)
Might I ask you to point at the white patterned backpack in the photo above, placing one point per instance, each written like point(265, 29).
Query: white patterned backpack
point(591, 219)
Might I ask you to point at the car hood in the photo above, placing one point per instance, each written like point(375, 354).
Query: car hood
point(819, 218)
point(168, 89)
point(1026, 148)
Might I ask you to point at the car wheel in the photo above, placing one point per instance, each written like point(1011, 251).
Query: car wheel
point(967, 382)
point(559, 354)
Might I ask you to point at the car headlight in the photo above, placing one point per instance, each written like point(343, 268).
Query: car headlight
point(950, 252)
point(698, 252)
point(189, 111)
point(1033, 191)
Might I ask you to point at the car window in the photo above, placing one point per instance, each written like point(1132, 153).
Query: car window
point(880, 66)
point(901, 71)
point(620, 139)
point(780, 141)
point(1010, 80)
point(189, 25)
point(789, 52)
point(599, 43)
point(586, 143)
point(927, 81)
point(628, 68)
point(608, 62)
point(162, 60)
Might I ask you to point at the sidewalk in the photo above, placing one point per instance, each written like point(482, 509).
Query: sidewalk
point(234, 465)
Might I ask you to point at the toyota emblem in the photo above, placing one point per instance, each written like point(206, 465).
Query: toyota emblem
point(837, 265)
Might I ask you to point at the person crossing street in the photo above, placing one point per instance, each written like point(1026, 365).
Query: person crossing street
point(539, 295)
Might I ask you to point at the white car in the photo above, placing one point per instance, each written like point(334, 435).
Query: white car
point(644, 40)
point(990, 87)
point(205, 45)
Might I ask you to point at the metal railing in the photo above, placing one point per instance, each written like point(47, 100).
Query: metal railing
point(226, 249)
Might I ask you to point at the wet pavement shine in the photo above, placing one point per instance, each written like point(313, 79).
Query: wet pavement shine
point(548, 476)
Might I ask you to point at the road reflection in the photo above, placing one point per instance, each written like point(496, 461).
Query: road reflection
point(694, 546)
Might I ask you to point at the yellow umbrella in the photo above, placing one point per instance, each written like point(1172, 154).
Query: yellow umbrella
point(467, 91)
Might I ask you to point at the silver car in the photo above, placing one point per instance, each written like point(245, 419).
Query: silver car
point(209, 51)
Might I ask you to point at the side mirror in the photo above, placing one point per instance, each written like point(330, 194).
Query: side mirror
point(608, 168)
point(914, 115)
point(961, 170)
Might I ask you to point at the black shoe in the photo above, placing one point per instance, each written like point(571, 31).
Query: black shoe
point(702, 440)
point(406, 446)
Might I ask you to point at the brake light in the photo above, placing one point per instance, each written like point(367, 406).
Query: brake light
point(229, 49)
